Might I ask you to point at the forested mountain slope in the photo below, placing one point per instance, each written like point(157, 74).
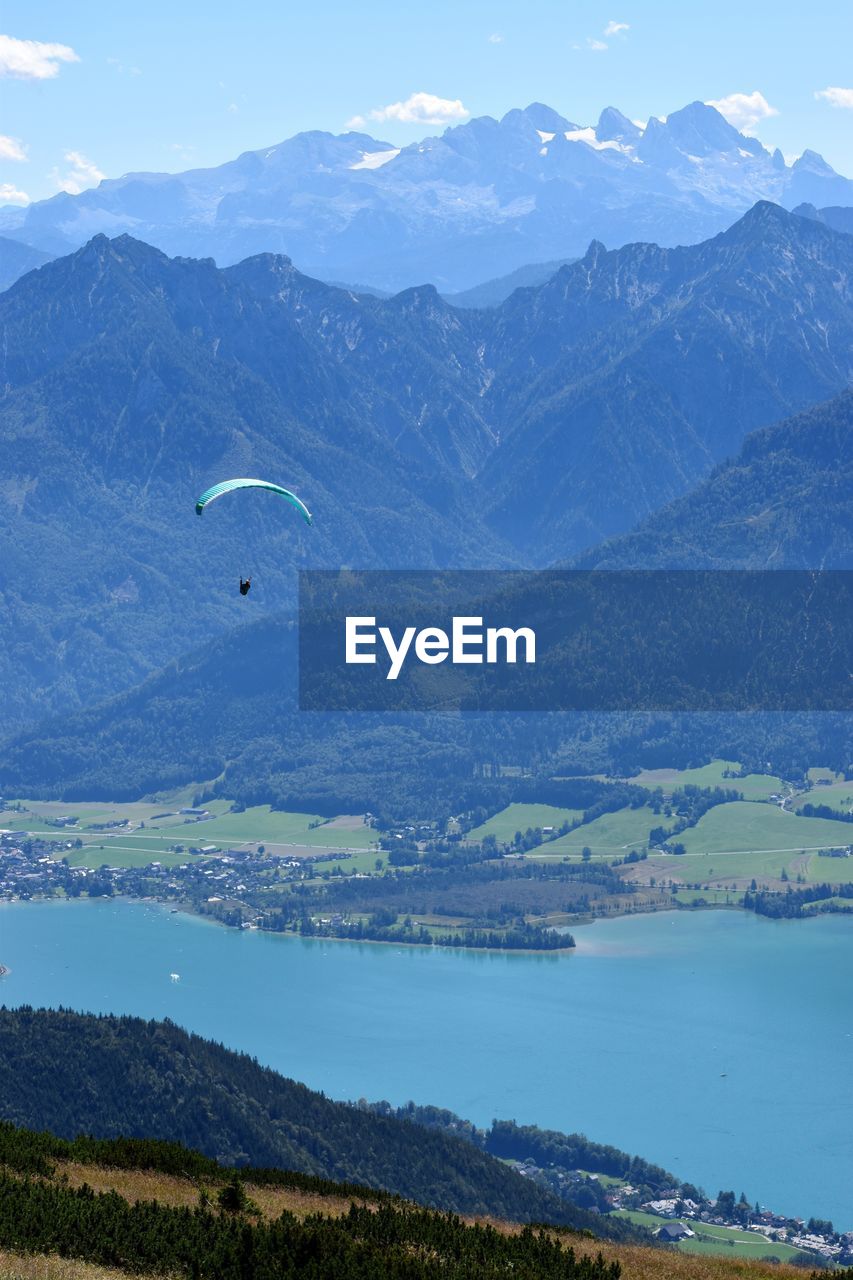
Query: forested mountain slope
point(421, 435)
point(785, 501)
point(122, 1077)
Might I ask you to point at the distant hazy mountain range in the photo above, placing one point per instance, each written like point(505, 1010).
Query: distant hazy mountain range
point(423, 435)
point(492, 292)
point(840, 218)
point(476, 203)
point(16, 259)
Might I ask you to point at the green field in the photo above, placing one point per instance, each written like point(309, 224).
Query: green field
point(727, 1241)
point(841, 904)
point(711, 897)
point(605, 1179)
point(156, 817)
point(119, 851)
point(733, 844)
point(753, 786)
point(722, 1240)
point(740, 869)
point(838, 795)
point(719, 869)
point(111, 855)
point(264, 825)
point(824, 775)
point(612, 833)
point(518, 817)
point(744, 827)
point(93, 811)
point(363, 860)
point(171, 821)
point(165, 826)
point(151, 845)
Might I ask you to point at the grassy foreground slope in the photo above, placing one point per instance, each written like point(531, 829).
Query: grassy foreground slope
point(97, 1211)
point(50, 1266)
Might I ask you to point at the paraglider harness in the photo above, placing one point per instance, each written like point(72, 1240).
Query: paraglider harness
point(244, 586)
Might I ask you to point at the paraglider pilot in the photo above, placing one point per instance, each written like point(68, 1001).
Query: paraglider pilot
point(228, 486)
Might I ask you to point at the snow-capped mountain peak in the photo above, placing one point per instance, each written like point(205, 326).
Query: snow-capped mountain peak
point(478, 201)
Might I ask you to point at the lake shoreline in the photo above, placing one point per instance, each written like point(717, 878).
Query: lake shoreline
point(488, 1036)
point(582, 921)
point(187, 910)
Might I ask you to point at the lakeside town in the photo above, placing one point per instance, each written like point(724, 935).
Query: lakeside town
point(39, 867)
point(678, 1218)
point(509, 880)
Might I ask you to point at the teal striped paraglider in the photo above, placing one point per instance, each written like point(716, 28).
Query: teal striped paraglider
point(229, 486)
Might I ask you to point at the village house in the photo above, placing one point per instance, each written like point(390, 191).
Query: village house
point(671, 1232)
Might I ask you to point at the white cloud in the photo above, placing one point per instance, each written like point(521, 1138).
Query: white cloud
point(496, 38)
point(419, 108)
point(836, 97)
point(744, 110)
point(355, 122)
point(11, 148)
point(601, 46)
point(33, 59)
point(11, 195)
point(233, 108)
point(83, 173)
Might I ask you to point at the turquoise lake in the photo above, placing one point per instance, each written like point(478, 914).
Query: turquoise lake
point(717, 1044)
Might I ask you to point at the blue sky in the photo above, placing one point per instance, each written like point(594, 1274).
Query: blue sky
point(169, 86)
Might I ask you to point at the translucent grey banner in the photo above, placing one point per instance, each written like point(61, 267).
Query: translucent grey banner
point(576, 640)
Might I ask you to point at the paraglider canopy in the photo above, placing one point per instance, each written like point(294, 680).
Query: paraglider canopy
point(228, 486)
